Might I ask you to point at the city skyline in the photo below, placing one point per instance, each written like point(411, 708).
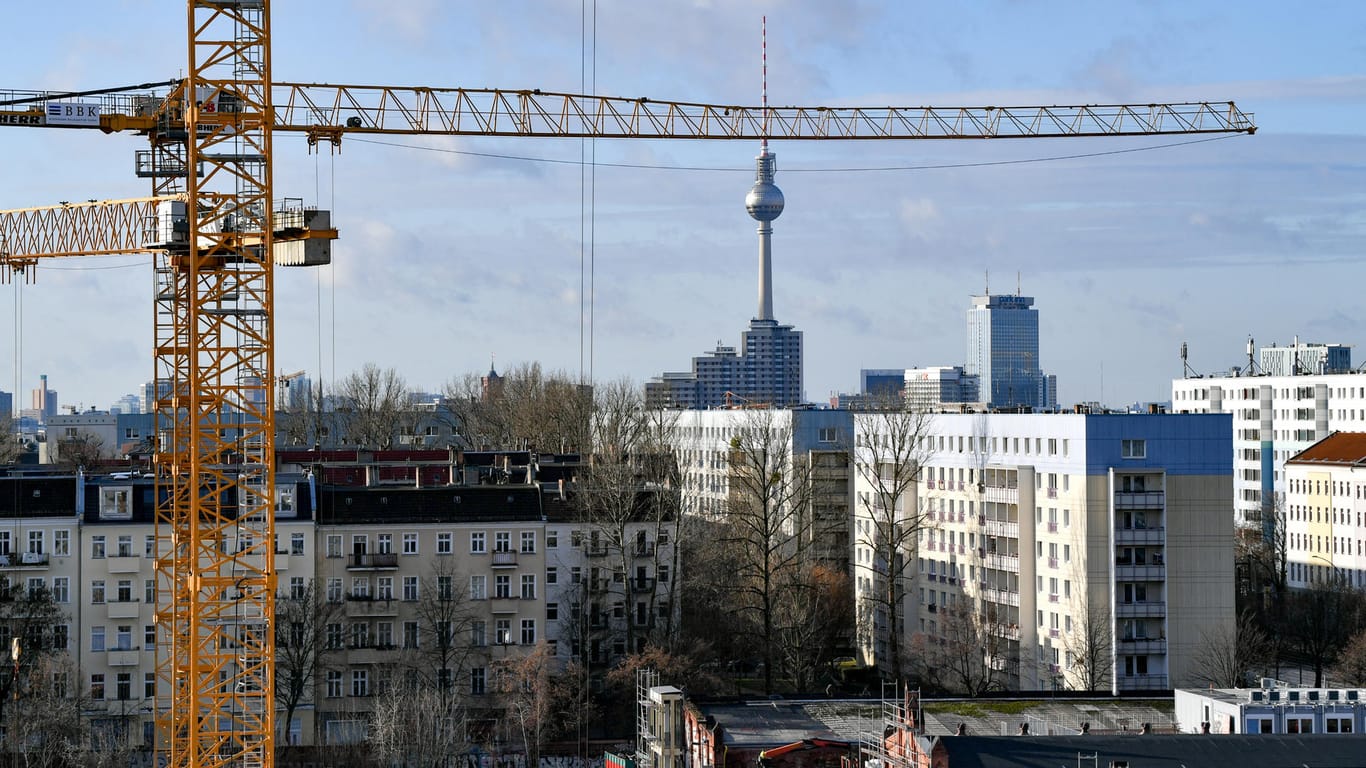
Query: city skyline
point(445, 258)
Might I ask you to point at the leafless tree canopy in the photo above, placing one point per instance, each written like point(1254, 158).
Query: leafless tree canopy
point(83, 451)
point(972, 653)
point(300, 646)
point(374, 407)
point(527, 408)
point(889, 459)
point(764, 525)
point(10, 449)
point(1229, 656)
point(1090, 643)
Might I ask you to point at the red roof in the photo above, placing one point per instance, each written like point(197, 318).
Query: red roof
point(1342, 448)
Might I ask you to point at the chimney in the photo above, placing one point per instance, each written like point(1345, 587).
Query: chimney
point(369, 475)
point(561, 484)
point(417, 476)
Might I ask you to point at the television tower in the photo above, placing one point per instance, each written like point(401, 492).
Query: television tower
point(765, 201)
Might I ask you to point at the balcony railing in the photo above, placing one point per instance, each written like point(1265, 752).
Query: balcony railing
point(505, 605)
point(1140, 535)
point(1140, 500)
point(1146, 609)
point(642, 584)
point(1142, 682)
point(1126, 572)
point(122, 657)
point(124, 609)
point(1001, 596)
point(372, 561)
point(1052, 562)
point(124, 563)
point(1003, 562)
point(1130, 645)
point(595, 549)
point(24, 560)
point(645, 549)
point(1004, 528)
point(505, 559)
point(1052, 527)
point(1052, 493)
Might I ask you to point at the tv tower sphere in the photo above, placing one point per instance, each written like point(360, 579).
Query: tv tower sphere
point(764, 201)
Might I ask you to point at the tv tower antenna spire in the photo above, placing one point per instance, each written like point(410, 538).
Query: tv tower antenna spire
point(765, 201)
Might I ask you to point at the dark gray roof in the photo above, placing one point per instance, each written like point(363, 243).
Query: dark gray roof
point(1157, 751)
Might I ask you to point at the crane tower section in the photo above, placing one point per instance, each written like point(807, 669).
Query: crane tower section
point(214, 350)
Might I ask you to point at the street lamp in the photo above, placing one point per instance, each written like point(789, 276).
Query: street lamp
point(1327, 560)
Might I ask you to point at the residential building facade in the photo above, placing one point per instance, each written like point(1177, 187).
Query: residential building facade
point(1043, 528)
point(1325, 501)
point(1274, 418)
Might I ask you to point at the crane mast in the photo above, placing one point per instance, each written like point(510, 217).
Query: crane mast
point(210, 225)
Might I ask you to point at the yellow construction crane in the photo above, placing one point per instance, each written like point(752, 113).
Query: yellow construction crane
point(217, 234)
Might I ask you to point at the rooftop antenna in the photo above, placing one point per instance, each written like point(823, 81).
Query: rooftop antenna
point(1017, 284)
point(986, 279)
point(1251, 357)
point(763, 56)
point(765, 201)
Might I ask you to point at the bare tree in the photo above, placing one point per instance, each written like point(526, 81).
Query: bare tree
point(531, 695)
point(449, 623)
point(80, 451)
point(1229, 655)
point(629, 495)
point(769, 491)
point(32, 622)
point(302, 421)
point(1090, 642)
point(1320, 620)
point(417, 726)
point(527, 408)
point(47, 726)
point(973, 651)
point(10, 447)
point(301, 654)
point(813, 613)
point(1350, 668)
point(889, 457)
point(375, 406)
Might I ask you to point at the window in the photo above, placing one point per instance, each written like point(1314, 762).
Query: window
point(1337, 724)
point(502, 586)
point(384, 588)
point(1299, 724)
point(410, 634)
point(385, 544)
point(478, 682)
point(35, 542)
point(334, 636)
point(61, 589)
point(59, 637)
point(360, 635)
point(478, 544)
point(384, 634)
point(410, 543)
point(552, 611)
point(296, 544)
point(61, 543)
point(443, 543)
point(552, 539)
point(478, 587)
point(97, 592)
point(502, 541)
point(528, 586)
point(663, 574)
point(96, 545)
point(444, 588)
point(552, 575)
point(410, 588)
point(334, 542)
point(334, 590)
point(149, 685)
point(149, 636)
point(125, 545)
point(297, 587)
point(97, 686)
point(1133, 449)
point(528, 542)
point(479, 634)
point(360, 682)
point(124, 686)
point(114, 504)
point(827, 434)
point(502, 634)
point(125, 591)
point(334, 684)
point(97, 638)
point(360, 587)
point(528, 631)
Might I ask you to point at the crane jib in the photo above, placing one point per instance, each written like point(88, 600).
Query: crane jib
point(66, 114)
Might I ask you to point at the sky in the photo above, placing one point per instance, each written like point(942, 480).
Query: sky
point(458, 251)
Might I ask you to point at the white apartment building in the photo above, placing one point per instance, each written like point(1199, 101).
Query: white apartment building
point(1031, 518)
point(1325, 502)
point(1274, 418)
point(819, 437)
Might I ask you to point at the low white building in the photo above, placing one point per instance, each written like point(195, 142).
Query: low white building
point(1275, 707)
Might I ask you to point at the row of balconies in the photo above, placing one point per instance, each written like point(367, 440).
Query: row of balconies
point(1140, 535)
point(1131, 572)
point(1142, 645)
point(1140, 500)
point(634, 549)
point(1141, 610)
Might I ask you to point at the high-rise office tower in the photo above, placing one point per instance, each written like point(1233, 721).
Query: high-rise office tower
point(1003, 351)
point(44, 400)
